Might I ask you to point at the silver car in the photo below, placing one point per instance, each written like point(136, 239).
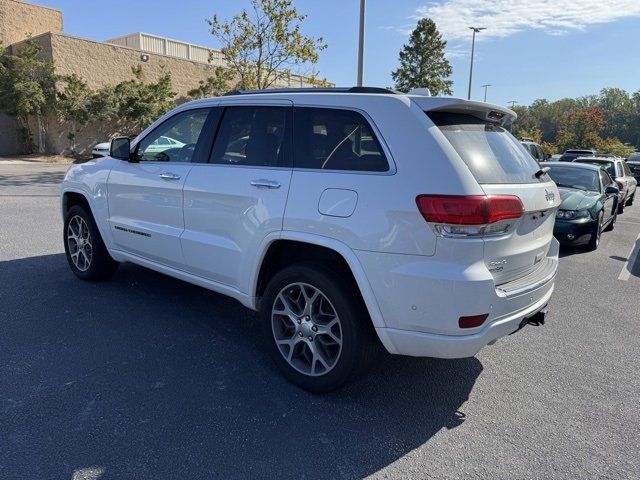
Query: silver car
point(618, 169)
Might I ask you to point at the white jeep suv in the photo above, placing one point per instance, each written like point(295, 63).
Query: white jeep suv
point(350, 218)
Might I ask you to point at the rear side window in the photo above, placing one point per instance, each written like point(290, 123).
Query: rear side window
point(334, 139)
point(253, 136)
point(492, 154)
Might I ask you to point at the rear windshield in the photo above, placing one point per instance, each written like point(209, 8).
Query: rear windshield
point(492, 154)
point(576, 177)
point(607, 166)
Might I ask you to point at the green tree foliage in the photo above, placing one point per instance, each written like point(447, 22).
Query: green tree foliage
point(213, 86)
point(27, 89)
point(260, 45)
point(74, 100)
point(422, 61)
point(620, 126)
point(139, 102)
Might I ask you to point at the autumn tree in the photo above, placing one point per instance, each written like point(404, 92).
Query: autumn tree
point(422, 61)
point(261, 44)
point(581, 129)
point(27, 90)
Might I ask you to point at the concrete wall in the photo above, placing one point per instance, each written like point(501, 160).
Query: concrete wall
point(18, 20)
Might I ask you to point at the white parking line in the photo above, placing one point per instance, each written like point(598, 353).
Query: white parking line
point(631, 260)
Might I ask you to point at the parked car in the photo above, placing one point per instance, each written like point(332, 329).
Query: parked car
point(534, 149)
point(634, 165)
point(571, 155)
point(100, 150)
point(343, 229)
point(619, 171)
point(555, 157)
point(589, 202)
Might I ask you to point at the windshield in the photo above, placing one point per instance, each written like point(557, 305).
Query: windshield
point(492, 154)
point(573, 177)
point(607, 166)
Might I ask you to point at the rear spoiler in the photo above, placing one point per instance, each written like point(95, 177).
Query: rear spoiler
point(484, 111)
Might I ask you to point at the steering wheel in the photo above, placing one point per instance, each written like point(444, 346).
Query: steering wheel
point(186, 152)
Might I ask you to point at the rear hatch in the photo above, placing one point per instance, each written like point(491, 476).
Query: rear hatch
point(502, 166)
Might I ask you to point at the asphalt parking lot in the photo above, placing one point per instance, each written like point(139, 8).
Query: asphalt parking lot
point(147, 377)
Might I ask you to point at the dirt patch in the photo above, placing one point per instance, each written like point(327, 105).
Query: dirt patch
point(40, 158)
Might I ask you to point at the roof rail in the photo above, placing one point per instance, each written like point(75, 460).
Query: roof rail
point(378, 90)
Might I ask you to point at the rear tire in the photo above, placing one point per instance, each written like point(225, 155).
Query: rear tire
point(631, 199)
point(620, 208)
point(594, 241)
point(86, 253)
point(316, 327)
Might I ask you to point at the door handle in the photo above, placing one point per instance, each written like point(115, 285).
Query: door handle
point(169, 176)
point(265, 183)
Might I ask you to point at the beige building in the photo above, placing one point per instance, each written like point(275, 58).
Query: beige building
point(100, 64)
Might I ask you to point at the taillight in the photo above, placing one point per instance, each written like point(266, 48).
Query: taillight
point(475, 215)
point(620, 185)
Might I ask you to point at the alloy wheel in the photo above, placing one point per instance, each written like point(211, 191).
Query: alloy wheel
point(79, 242)
point(306, 329)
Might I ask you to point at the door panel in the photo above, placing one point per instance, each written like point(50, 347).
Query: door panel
point(145, 209)
point(226, 219)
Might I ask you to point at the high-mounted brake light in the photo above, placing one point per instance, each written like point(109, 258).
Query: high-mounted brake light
point(469, 210)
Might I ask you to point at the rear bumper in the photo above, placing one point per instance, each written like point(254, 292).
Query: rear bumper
point(422, 299)
point(415, 344)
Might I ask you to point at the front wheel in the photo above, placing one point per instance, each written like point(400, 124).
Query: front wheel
point(86, 253)
point(316, 327)
point(594, 241)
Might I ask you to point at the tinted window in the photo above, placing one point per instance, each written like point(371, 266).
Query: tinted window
point(575, 177)
point(605, 179)
point(174, 140)
point(607, 166)
point(333, 139)
point(492, 154)
point(252, 136)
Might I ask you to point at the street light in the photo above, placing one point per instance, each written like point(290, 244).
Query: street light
point(485, 86)
point(473, 44)
point(361, 44)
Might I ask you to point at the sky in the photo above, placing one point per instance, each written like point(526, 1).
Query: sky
point(530, 49)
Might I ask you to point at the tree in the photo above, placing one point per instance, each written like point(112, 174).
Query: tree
point(74, 100)
point(27, 89)
point(422, 61)
point(139, 103)
point(581, 129)
point(260, 46)
point(213, 86)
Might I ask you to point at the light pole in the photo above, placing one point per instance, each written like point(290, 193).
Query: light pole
point(361, 44)
point(473, 45)
point(485, 86)
point(513, 103)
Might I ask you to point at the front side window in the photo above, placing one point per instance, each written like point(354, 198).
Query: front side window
point(334, 139)
point(174, 140)
point(252, 136)
point(605, 179)
point(490, 152)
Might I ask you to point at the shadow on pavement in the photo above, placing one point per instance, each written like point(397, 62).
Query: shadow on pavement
point(145, 376)
point(31, 179)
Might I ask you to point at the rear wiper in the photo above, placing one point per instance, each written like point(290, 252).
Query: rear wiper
point(542, 171)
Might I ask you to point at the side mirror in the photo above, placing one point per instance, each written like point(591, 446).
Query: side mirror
point(611, 190)
point(120, 148)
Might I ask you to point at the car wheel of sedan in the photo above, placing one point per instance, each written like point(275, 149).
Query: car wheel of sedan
point(630, 201)
point(612, 223)
point(317, 328)
point(594, 241)
point(86, 253)
point(621, 207)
